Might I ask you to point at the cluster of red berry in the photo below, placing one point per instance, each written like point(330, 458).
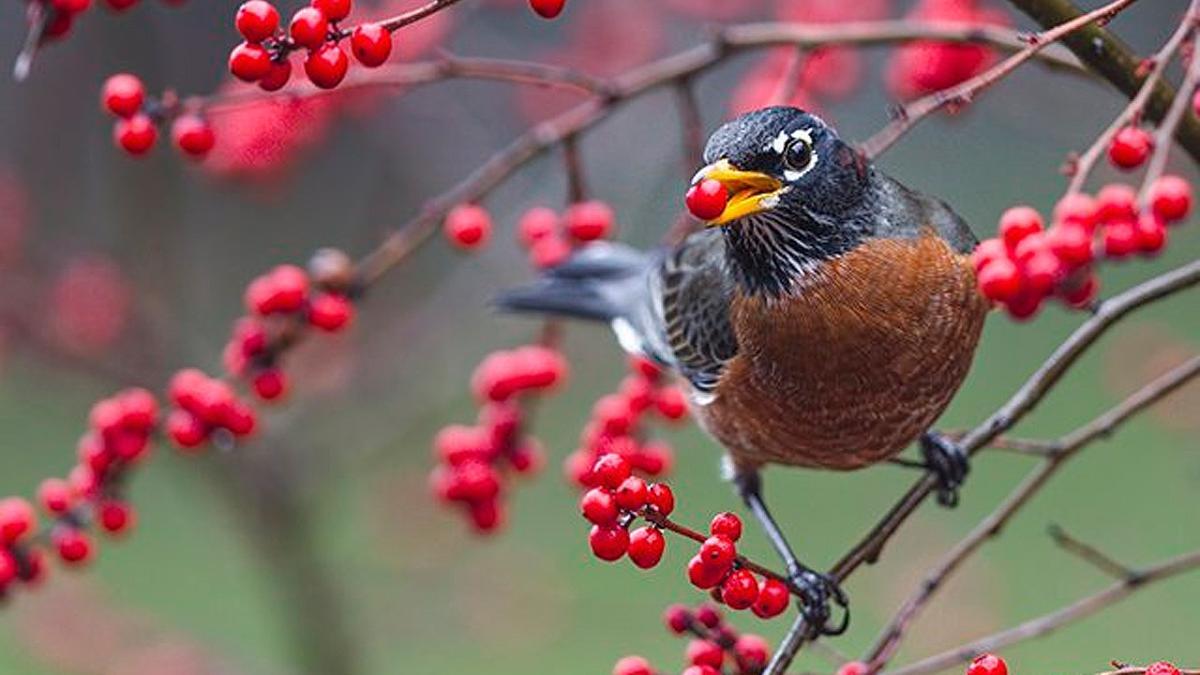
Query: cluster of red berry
point(549, 238)
point(614, 502)
point(716, 567)
point(61, 14)
point(616, 425)
point(138, 117)
point(472, 460)
point(921, 67)
point(715, 645)
point(264, 55)
point(118, 439)
point(203, 406)
point(1028, 263)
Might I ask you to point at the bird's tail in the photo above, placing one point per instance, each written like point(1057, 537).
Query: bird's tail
point(602, 282)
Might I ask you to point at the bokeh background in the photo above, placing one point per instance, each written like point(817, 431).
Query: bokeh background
point(316, 548)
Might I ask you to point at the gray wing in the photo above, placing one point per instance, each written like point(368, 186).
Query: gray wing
point(691, 292)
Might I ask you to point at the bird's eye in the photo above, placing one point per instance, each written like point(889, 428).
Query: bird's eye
point(798, 155)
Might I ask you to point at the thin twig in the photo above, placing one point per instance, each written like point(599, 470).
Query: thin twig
point(965, 92)
point(1090, 554)
point(1175, 114)
point(1086, 163)
point(1054, 620)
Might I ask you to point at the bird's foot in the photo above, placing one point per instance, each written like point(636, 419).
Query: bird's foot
point(820, 593)
point(949, 462)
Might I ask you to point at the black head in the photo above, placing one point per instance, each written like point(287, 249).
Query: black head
point(795, 190)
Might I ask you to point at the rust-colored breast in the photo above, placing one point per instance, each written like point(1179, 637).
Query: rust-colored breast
point(855, 364)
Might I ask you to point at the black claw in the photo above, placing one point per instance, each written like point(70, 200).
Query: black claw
point(949, 462)
point(820, 593)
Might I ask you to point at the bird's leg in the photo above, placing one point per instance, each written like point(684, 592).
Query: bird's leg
point(819, 590)
point(948, 461)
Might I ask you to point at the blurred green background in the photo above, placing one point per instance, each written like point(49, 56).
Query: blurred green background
point(315, 549)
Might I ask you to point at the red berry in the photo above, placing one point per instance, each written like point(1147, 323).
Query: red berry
point(192, 135)
point(611, 470)
point(289, 286)
point(330, 311)
point(752, 653)
point(17, 519)
point(1116, 201)
point(547, 9)
point(309, 27)
point(334, 10)
point(853, 668)
point(185, 429)
point(256, 20)
point(9, 569)
point(677, 618)
point(486, 516)
point(718, 552)
point(707, 199)
point(599, 506)
point(116, 517)
point(632, 493)
point(1151, 233)
point(549, 252)
point(536, 224)
point(700, 670)
point(135, 135)
point(1043, 271)
point(726, 525)
point(1078, 209)
point(987, 664)
point(1162, 668)
point(468, 226)
point(633, 665)
point(55, 496)
point(608, 542)
point(773, 598)
point(1017, 223)
point(705, 653)
point(1071, 243)
point(1080, 293)
point(1000, 280)
point(120, 5)
point(1130, 148)
point(646, 545)
point(139, 409)
point(74, 547)
point(326, 66)
point(1024, 306)
point(614, 414)
point(671, 403)
point(277, 76)
point(249, 62)
point(740, 590)
point(1170, 198)
point(987, 251)
point(659, 496)
point(708, 615)
point(476, 482)
point(588, 221)
point(371, 44)
point(1120, 239)
point(270, 384)
point(704, 576)
point(71, 6)
point(123, 95)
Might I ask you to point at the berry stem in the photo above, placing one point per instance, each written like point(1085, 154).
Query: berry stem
point(1179, 107)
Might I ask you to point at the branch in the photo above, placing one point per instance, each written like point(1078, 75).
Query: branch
point(1059, 452)
point(964, 93)
point(1091, 555)
point(1111, 58)
point(1177, 112)
point(1050, 622)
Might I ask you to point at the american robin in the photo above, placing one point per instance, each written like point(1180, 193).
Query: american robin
point(824, 319)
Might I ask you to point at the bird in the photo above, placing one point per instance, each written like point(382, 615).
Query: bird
point(824, 319)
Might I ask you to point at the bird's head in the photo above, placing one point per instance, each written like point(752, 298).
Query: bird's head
point(795, 191)
point(782, 160)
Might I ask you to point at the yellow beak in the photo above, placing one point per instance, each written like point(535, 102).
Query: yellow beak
point(749, 191)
